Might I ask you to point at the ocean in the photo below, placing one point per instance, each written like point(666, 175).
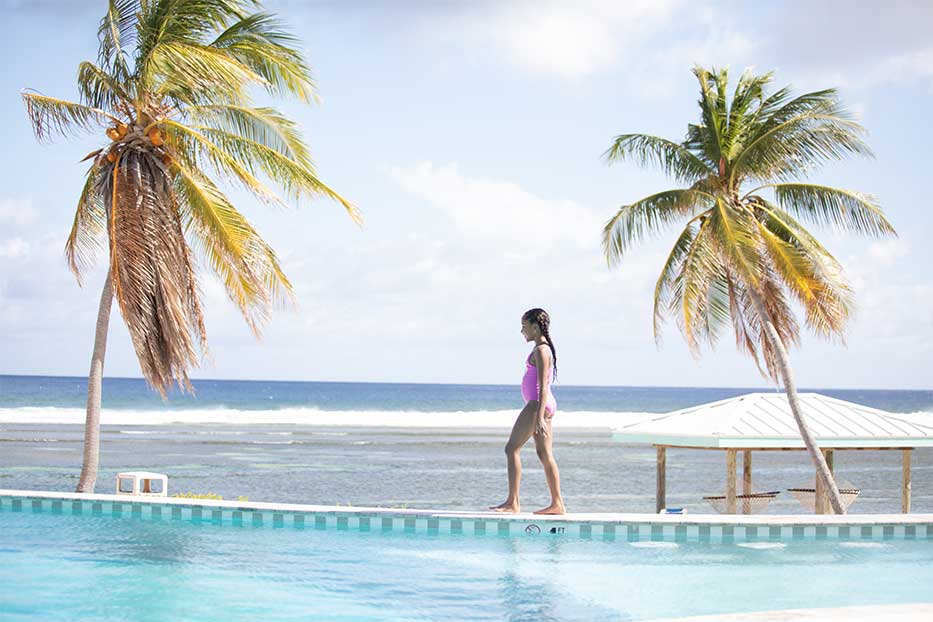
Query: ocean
point(404, 445)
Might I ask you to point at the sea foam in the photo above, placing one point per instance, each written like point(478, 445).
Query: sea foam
point(315, 417)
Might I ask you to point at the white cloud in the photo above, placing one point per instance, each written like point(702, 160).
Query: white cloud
point(499, 209)
point(565, 40)
point(14, 248)
point(886, 252)
point(17, 211)
point(572, 40)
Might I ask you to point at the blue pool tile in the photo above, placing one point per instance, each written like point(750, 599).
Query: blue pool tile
point(680, 533)
point(433, 525)
point(365, 523)
point(258, 519)
point(456, 525)
point(409, 524)
point(609, 532)
point(504, 528)
point(343, 523)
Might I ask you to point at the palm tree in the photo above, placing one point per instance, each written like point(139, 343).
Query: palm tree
point(742, 255)
point(171, 89)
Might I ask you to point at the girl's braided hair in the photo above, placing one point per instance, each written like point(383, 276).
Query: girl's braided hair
point(543, 320)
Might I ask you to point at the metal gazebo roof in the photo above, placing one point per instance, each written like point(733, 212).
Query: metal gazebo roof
point(764, 421)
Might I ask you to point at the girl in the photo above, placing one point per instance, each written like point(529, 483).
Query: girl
point(535, 418)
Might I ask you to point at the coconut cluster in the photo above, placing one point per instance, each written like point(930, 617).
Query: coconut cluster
point(127, 136)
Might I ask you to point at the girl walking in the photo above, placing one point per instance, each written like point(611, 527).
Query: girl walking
point(536, 417)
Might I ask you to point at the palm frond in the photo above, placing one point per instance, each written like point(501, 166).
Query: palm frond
point(665, 283)
point(646, 217)
point(298, 179)
point(263, 125)
point(117, 35)
point(797, 145)
point(734, 234)
point(844, 209)
point(99, 89)
point(247, 266)
point(690, 289)
point(89, 227)
point(195, 74)
point(815, 279)
point(195, 146)
point(708, 136)
point(261, 42)
point(673, 159)
point(746, 339)
point(51, 116)
point(152, 274)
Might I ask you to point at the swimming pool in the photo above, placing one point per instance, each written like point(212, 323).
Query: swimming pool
point(56, 563)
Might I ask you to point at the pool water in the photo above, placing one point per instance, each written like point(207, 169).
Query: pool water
point(83, 568)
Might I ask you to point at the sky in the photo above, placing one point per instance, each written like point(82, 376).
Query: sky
point(470, 135)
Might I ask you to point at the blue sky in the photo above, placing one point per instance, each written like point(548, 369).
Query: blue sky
point(470, 136)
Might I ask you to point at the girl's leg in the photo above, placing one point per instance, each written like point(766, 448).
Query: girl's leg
point(543, 448)
point(521, 432)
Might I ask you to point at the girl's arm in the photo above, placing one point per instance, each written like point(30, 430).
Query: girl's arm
point(542, 356)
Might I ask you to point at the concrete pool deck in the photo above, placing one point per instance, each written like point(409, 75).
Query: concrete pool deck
point(912, 612)
point(604, 525)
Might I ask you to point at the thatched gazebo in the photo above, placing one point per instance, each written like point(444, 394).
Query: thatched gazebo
point(763, 422)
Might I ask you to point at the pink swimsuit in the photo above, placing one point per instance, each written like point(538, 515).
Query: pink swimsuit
point(530, 386)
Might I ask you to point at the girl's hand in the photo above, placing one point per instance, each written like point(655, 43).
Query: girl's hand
point(541, 427)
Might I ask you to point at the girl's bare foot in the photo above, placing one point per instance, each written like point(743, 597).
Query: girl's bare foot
point(554, 508)
point(512, 508)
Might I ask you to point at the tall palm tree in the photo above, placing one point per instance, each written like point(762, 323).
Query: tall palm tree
point(171, 89)
point(742, 255)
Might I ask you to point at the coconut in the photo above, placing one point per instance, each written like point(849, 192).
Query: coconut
point(155, 135)
point(112, 157)
point(113, 133)
point(122, 129)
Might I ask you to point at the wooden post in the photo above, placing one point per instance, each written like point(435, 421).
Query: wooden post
point(905, 483)
point(730, 481)
point(660, 501)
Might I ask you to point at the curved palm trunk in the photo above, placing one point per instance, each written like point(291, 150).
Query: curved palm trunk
point(787, 377)
point(94, 378)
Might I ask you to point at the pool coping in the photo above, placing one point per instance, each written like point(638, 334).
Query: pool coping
point(596, 525)
point(905, 612)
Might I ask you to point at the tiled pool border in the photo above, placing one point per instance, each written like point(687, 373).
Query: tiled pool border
point(622, 527)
